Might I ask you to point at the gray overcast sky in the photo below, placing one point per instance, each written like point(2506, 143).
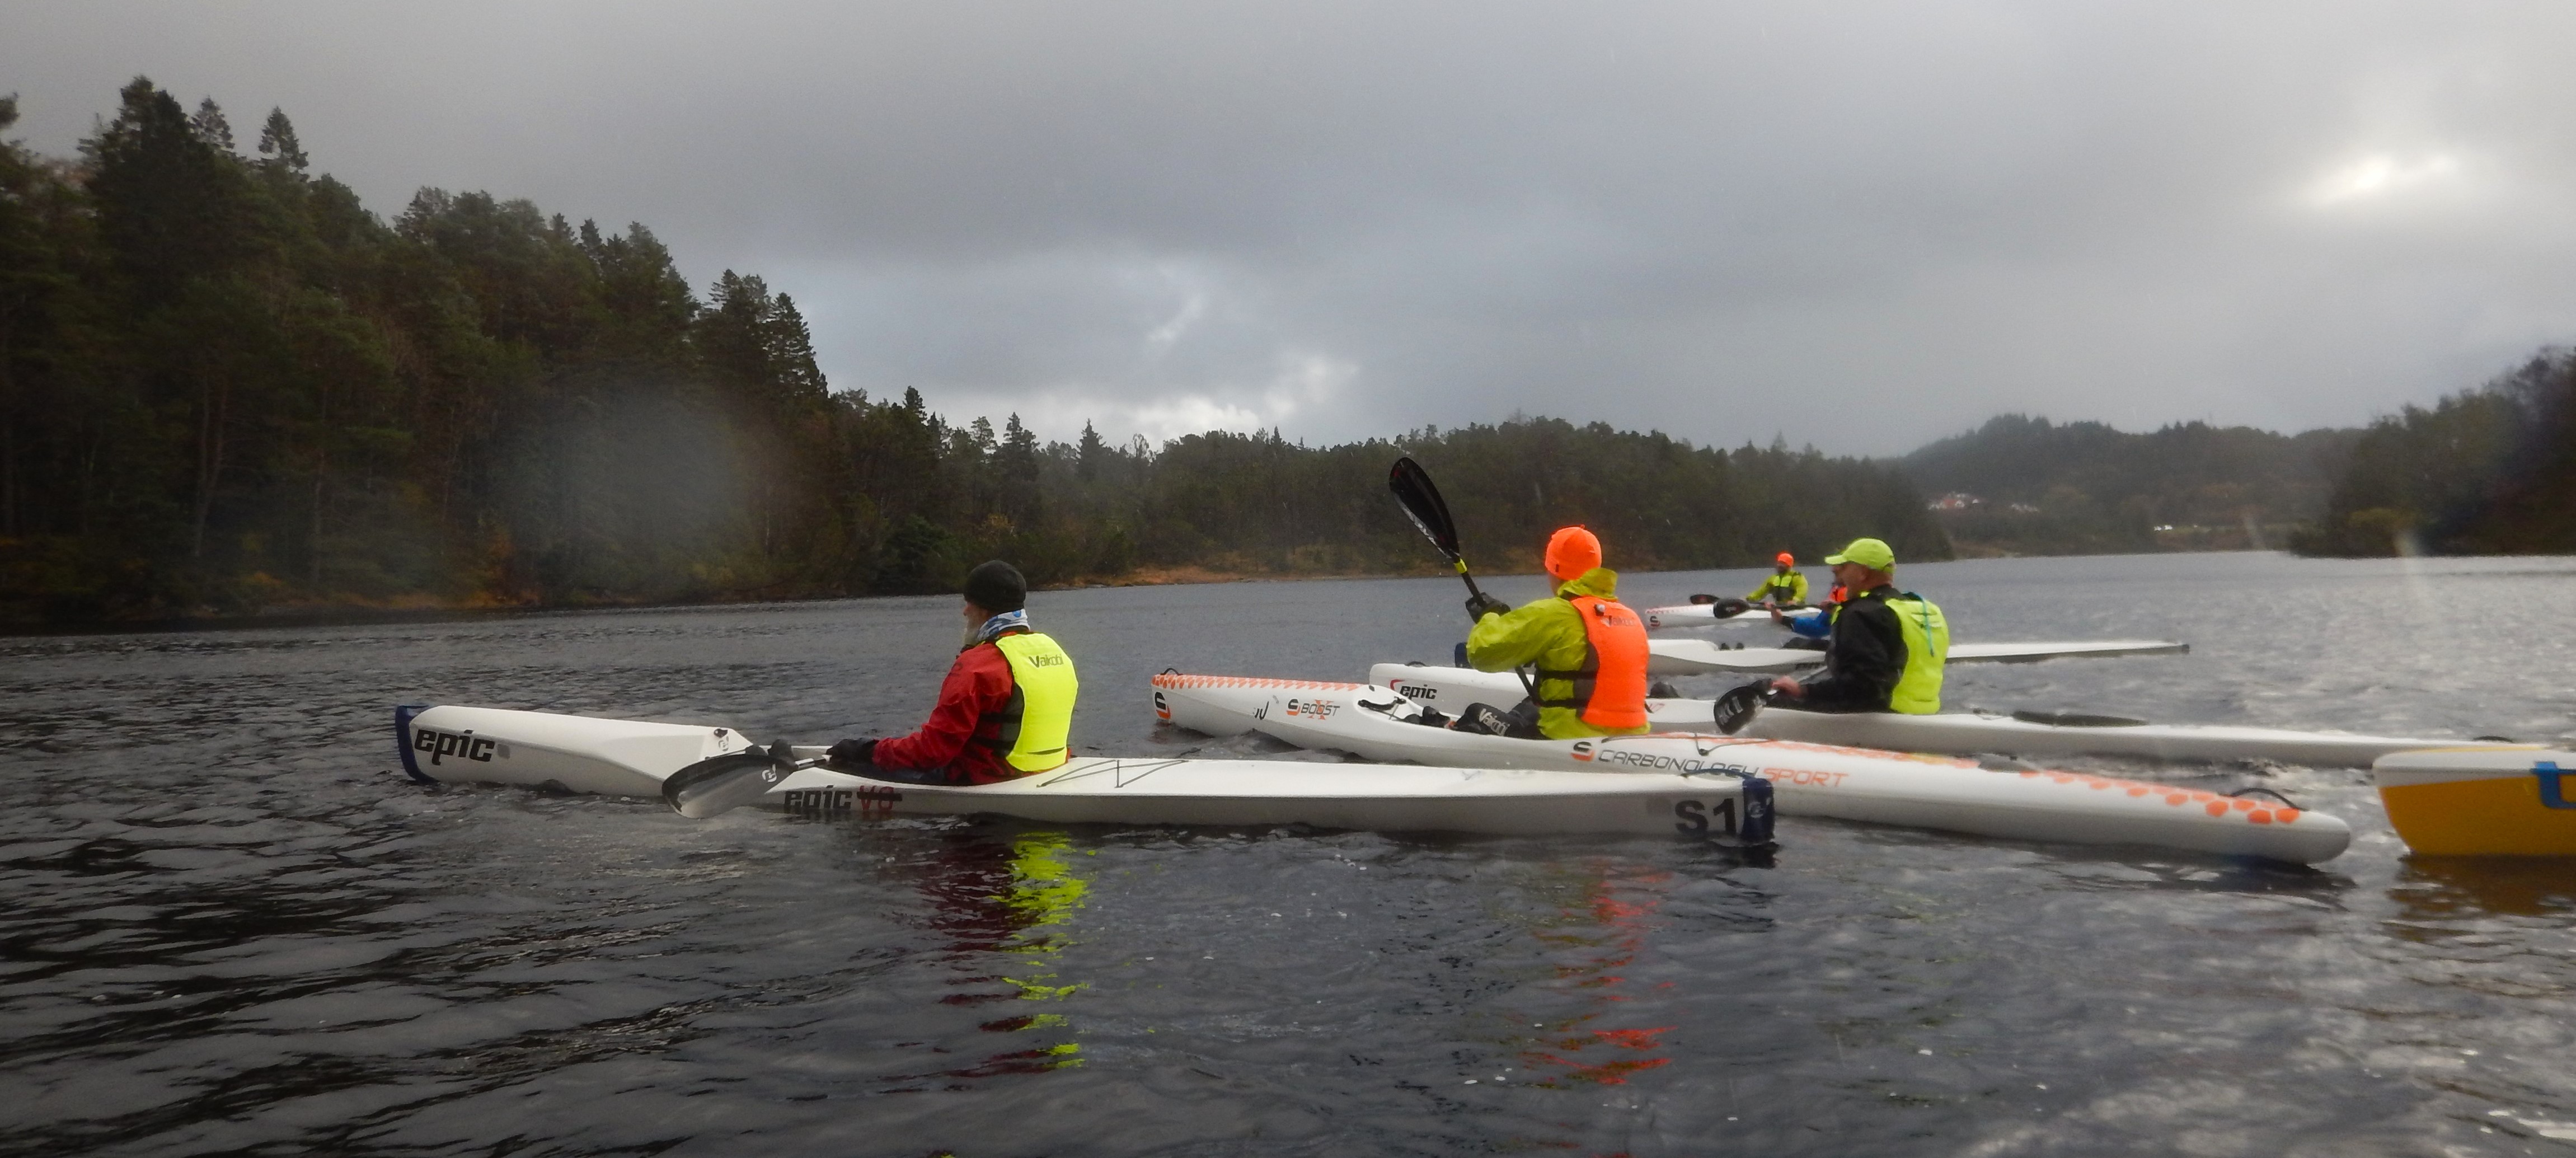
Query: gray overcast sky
point(1861, 225)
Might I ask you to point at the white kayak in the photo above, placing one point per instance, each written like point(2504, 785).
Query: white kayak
point(1705, 615)
point(1378, 723)
point(1709, 657)
point(632, 758)
point(2023, 734)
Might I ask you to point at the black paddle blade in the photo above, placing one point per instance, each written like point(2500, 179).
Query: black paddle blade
point(1730, 608)
point(1421, 502)
point(721, 784)
point(1740, 704)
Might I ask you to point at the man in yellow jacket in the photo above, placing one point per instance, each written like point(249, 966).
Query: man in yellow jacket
point(1784, 587)
point(1589, 649)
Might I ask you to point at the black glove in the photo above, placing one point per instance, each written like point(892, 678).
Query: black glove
point(1481, 605)
point(852, 755)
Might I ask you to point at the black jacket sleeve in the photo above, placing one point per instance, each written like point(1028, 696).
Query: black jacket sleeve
point(1863, 660)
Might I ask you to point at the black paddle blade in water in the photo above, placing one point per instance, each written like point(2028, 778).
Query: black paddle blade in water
point(1421, 502)
point(720, 784)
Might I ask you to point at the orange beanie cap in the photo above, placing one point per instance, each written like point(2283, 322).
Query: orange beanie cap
point(1571, 551)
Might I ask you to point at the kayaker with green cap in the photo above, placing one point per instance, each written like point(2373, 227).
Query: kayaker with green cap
point(1005, 710)
point(1886, 647)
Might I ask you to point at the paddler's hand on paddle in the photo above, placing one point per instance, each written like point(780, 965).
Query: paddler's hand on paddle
point(1481, 605)
point(1787, 687)
point(852, 755)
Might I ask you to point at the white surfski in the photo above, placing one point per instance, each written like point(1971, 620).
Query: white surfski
point(1450, 689)
point(1709, 657)
point(1950, 795)
point(632, 758)
point(1686, 615)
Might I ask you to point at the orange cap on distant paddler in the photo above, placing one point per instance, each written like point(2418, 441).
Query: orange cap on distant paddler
point(1571, 551)
point(1788, 560)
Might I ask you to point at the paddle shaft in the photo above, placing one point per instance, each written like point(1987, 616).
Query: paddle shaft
point(1421, 501)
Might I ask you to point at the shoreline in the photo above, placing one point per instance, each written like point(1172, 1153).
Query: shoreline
point(417, 609)
point(414, 609)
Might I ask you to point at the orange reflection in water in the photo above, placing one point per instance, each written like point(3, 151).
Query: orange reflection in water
point(1602, 934)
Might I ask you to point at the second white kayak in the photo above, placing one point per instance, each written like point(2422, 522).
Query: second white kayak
point(1682, 615)
point(1708, 657)
point(1928, 792)
point(1958, 733)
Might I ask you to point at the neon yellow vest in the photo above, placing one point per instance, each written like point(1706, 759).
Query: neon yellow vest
point(1927, 647)
point(1039, 719)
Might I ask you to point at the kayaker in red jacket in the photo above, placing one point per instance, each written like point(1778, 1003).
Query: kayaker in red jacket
point(1005, 710)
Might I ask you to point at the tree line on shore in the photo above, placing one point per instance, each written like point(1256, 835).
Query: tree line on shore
point(2486, 471)
point(2027, 486)
point(226, 385)
point(2489, 471)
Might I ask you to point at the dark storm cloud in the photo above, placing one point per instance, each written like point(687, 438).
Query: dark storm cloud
point(1860, 225)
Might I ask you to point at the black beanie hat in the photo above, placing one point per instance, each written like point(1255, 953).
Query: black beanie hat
point(996, 586)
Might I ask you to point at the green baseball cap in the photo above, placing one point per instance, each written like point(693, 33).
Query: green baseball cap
point(1871, 553)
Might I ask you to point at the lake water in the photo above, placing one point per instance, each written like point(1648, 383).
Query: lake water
point(232, 928)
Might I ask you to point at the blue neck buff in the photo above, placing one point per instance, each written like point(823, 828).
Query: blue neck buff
point(999, 624)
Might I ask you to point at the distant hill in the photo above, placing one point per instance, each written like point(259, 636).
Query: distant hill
point(2490, 471)
point(2022, 485)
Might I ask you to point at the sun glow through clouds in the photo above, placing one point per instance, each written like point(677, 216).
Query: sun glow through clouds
point(2382, 175)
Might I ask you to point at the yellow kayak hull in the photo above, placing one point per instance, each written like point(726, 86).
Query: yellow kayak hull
point(2518, 801)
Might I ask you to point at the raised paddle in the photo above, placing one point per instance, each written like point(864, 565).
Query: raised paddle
point(720, 784)
point(1421, 503)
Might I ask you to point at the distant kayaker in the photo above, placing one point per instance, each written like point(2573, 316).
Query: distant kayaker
point(1005, 710)
point(1589, 648)
point(1885, 647)
point(1785, 587)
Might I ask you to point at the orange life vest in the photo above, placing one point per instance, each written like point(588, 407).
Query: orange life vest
point(1610, 687)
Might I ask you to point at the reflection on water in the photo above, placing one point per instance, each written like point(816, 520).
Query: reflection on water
point(1001, 906)
point(2437, 889)
point(1597, 938)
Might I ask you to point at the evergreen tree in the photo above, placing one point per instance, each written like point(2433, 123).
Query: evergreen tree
point(277, 143)
point(1090, 452)
point(211, 127)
